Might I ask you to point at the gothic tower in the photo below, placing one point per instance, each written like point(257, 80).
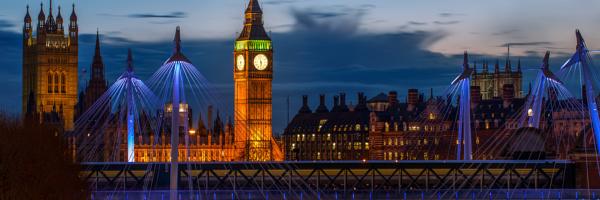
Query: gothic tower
point(97, 83)
point(50, 64)
point(253, 74)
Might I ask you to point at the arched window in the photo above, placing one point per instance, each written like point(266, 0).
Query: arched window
point(63, 83)
point(56, 78)
point(49, 82)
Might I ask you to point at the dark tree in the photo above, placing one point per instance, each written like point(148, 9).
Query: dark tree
point(35, 163)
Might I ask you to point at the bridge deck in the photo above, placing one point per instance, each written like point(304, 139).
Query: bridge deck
point(336, 176)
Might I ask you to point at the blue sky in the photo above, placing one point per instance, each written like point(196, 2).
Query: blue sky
point(320, 46)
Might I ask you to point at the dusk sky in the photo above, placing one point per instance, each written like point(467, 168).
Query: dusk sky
point(320, 46)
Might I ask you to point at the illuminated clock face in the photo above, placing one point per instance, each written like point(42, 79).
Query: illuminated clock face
point(261, 61)
point(239, 62)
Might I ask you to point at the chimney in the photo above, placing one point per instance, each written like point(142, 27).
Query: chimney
point(336, 104)
point(362, 103)
point(413, 99)
point(475, 96)
point(322, 108)
point(508, 93)
point(305, 108)
point(343, 106)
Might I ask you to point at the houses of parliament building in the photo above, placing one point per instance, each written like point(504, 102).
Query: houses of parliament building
point(50, 59)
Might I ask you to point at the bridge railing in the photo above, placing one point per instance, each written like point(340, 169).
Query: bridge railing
point(340, 176)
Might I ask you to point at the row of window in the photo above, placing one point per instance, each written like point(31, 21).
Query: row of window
point(314, 137)
point(407, 156)
point(349, 145)
point(57, 82)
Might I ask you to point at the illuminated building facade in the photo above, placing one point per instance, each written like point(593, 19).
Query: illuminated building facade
point(50, 65)
point(211, 143)
point(253, 75)
point(383, 128)
point(341, 133)
point(491, 83)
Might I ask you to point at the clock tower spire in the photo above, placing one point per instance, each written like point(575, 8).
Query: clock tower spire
point(253, 75)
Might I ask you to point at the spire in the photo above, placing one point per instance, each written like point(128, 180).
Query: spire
point(50, 12)
point(59, 16)
point(507, 65)
point(519, 65)
point(27, 18)
point(253, 7)
point(97, 64)
point(177, 54)
point(97, 50)
point(485, 66)
point(497, 66)
point(253, 25)
point(73, 15)
point(41, 16)
point(129, 61)
point(475, 67)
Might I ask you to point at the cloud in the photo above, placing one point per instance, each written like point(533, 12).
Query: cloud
point(5, 24)
point(150, 15)
point(506, 32)
point(525, 44)
point(448, 14)
point(446, 22)
point(318, 14)
point(279, 2)
point(417, 23)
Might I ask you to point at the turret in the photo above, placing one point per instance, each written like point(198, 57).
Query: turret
point(41, 30)
point(73, 28)
point(27, 29)
point(59, 23)
point(519, 65)
point(50, 23)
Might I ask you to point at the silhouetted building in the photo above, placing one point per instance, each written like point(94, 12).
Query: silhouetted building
point(97, 84)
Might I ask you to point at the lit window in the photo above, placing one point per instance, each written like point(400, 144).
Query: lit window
point(63, 83)
point(49, 82)
point(530, 112)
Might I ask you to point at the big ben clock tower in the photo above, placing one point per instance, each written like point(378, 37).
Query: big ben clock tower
point(253, 74)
